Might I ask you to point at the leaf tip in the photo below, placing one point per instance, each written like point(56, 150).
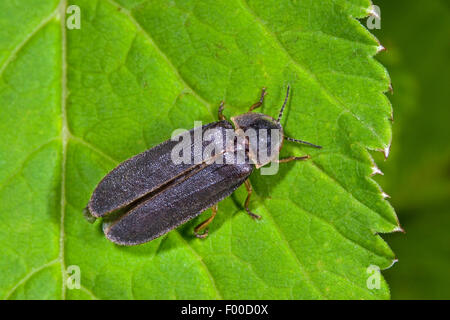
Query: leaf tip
point(381, 48)
point(376, 170)
point(385, 195)
point(392, 264)
point(399, 229)
point(386, 151)
point(391, 88)
point(372, 11)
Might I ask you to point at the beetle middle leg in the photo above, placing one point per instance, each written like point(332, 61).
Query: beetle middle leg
point(285, 160)
point(260, 102)
point(205, 223)
point(249, 188)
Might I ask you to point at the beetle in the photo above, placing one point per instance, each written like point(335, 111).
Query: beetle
point(149, 194)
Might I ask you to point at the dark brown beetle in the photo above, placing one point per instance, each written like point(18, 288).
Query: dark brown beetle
point(148, 195)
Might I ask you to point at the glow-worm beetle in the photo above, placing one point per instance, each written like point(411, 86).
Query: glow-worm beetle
point(148, 195)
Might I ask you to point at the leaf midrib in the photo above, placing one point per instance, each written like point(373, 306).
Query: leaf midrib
point(64, 140)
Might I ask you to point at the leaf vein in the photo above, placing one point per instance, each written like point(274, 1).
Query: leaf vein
point(28, 276)
point(162, 54)
point(331, 97)
point(27, 39)
point(315, 165)
point(202, 262)
point(65, 139)
point(293, 253)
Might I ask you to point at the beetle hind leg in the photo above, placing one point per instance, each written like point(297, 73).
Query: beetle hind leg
point(290, 159)
point(204, 224)
point(249, 188)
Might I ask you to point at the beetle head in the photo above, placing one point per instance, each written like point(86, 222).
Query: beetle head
point(268, 132)
point(264, 135)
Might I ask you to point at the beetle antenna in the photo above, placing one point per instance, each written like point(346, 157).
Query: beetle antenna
point(303, 142)
point(284, 104)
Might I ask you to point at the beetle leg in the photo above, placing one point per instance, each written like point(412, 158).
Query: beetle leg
point(220, 112)
point(260, 102)
point(205, 223)
point(249, 188)
point(292, 159)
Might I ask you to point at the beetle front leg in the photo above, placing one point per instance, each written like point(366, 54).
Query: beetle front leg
point(249, 188)
point(220, 112)
point(260, 102)
point(205, 223)
point(293, 159)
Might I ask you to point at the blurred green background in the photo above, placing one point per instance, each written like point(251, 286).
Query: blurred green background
point(417, 174)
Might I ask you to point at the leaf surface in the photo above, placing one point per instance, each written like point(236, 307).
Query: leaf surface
point(75, 103)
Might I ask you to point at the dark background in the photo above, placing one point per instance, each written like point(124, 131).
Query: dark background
point(417, 174)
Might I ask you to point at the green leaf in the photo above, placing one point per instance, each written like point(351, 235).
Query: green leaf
point(74, 103)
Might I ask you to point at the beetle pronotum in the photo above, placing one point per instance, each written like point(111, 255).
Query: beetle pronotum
point(148, 195)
